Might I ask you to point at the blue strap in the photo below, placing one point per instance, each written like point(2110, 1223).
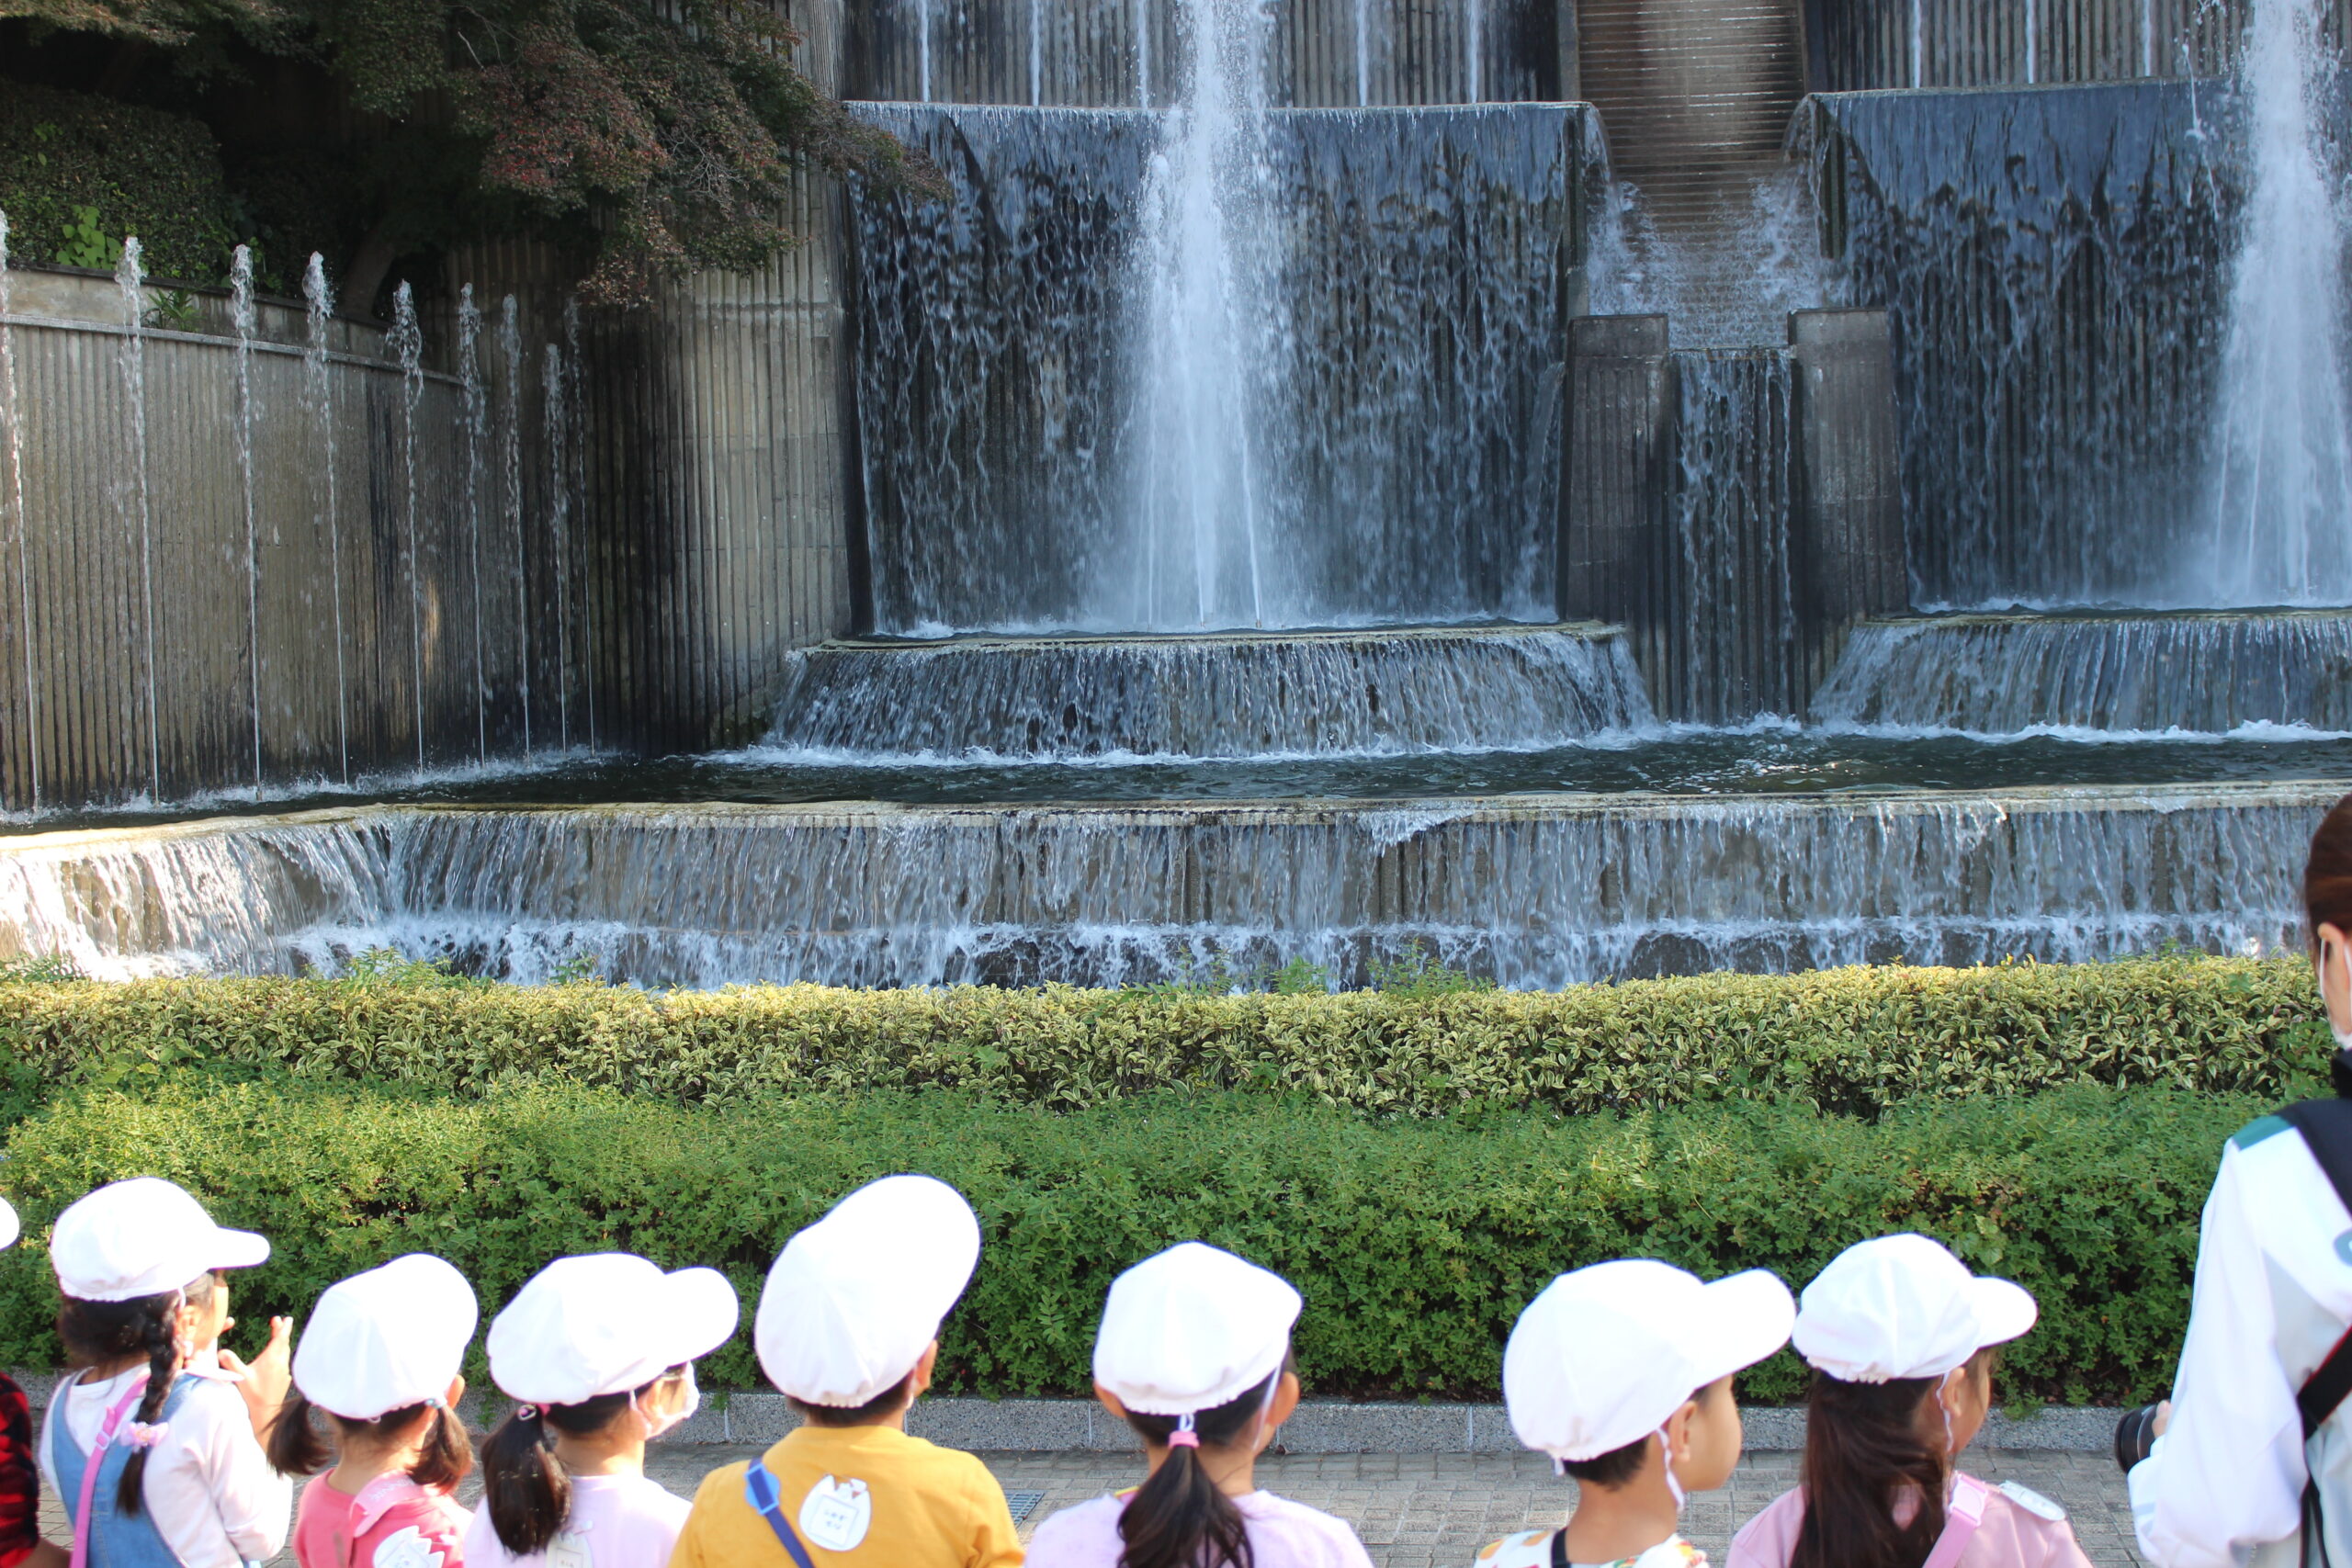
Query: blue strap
point(760, 1490)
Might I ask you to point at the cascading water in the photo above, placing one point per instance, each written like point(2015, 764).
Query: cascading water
point(554, 405)
point(240, 316)
point(11, 416)
point(1211, 320)
point(573, 479)
point(408, 344)
point(317, 297)
point(510, 436)
point(2281, 507)
point(131, 278)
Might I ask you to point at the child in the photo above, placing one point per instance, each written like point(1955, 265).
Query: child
point(598, 1352)
point(1622, 1372)
point(158, 1459)
point(1899, 1337)
point(848, 1327)
point(380, 1359)
point(1194, 1354)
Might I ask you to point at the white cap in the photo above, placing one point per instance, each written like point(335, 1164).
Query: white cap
point(1192, 1328)
point(607, 1323)
point(853, 1300)
point(1902, 1306)
point(387, 1340)
point(1606, 1354)
point(142, 1237)
point(11, 1228)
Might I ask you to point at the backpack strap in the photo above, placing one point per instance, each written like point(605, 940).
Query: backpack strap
point(1560, 1548)
point(760, 1490)
point(2326, 1129)
point(1962, 1514)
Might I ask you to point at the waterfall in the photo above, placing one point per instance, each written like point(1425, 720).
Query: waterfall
point(408, 344)
point(318, 299)
point(1036, 52)
point(473, 420)
point(1325, 694)
point(1474, 50)
point(241, 315)
point(576, 481)
point(1538, 892)
point(510, 430)
point(12, 416)
point(1211, 322)
point(130, 276)
point(2281, 508)
point(553, 406)
point(2124, 676)
point(923, 8)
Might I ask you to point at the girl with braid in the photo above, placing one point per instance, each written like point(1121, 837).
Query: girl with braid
point(155, 1454)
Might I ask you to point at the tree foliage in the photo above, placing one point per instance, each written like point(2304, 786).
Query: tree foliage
point(657, 136)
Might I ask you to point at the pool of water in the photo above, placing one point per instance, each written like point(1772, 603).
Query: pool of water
point(1758, 760)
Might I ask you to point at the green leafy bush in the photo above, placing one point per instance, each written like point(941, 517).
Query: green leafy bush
point(78, 173)
point(1415, 1241)
point(1848, 1041)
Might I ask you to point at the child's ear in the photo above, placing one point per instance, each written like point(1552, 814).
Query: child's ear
point(1286, 1398)
point(1110, 1402)
point(1677, 1428)
point(457, 1391)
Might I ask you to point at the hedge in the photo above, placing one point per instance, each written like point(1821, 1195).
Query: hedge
point(65, 156)
point(1852, 1040)
point(1415, 1241)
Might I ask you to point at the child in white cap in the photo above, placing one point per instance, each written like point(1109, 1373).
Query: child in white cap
point(848, 1328)
point(1900, 1335)
point(598, 1354)
point(155, 1454)
point(380, 1359)
point(1195, 1355)
point(1622, 1372)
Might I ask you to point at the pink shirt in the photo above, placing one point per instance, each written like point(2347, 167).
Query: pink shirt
point(616, 1521)
point(1282, 1534)
point(2013, 1534)
point(393, 1523)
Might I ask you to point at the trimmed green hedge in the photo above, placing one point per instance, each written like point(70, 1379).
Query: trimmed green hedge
point(78, 173)
point(1415, 1241)
point(1847, 1039)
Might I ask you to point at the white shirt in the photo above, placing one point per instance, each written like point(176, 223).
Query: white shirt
point(2223, 1486)
point(616, 1521)
point(1282, 1534)
point(209, 1488)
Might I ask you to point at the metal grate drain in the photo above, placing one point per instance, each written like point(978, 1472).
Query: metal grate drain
point(1022, 1504)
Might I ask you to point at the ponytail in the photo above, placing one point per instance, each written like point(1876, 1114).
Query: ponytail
point(1178, 1518)
point(103, 1331)
point(1863, 1448)
point(296, 1447)
point(525, 1486)
point(161, 1333)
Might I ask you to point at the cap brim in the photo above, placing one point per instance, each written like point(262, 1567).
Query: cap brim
point(1748, 1315)
point(235, 1249)
point(701, 1311)
point(2004, 1311)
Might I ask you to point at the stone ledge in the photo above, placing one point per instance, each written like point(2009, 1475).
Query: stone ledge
point(1321, 1427)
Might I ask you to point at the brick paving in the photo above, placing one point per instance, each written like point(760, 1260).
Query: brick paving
point(1436, 1510)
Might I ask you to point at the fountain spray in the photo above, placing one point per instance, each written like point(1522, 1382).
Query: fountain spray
point(12, 415)
point(408, 343)
point(319, 297)
point(130, 277)
point(241, 317)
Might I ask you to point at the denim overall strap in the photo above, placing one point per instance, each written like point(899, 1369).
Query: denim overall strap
point(108, 1538)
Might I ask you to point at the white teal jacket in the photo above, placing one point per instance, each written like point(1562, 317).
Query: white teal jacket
point(2224, 1485)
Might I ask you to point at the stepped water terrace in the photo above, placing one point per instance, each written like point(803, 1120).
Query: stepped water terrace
point(1228, 529)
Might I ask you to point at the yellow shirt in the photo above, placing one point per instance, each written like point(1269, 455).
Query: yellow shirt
point(882, 1499)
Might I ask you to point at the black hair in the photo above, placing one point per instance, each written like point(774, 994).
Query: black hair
point(1865, 1445)
point(881, 1407)
point(525, 1486)
point(96, 1332)
point(1178, 1518)
point(1618, 1466)
point(296, 1447)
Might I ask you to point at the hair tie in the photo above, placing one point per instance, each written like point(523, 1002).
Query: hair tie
point(1183, 1437)
point(526, 1413)
point(142, 1435)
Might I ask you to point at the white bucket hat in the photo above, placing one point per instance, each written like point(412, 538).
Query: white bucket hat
point(141, 1237)
point(1904, 1306)
point(386, 1339)
point(853, 1298)
point(1607, 1353)
point(606, 1322)
point(1192, 1328)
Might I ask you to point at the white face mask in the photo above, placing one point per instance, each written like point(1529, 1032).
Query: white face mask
point(657, 1425)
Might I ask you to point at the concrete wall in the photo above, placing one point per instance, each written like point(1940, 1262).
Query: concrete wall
point(1858, 44)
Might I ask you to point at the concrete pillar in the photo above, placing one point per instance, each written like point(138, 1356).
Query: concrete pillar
point(1612, 486)
point(1851, 514)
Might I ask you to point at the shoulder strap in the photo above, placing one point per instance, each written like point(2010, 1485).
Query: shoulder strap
point(1962, 1514)
point(760, 1490)
point(1560, 1548)
point(2326, 1129)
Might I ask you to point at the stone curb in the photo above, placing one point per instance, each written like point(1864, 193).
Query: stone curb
point(1321, 1427)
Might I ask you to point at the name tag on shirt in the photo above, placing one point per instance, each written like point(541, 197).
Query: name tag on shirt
point(837, 1514)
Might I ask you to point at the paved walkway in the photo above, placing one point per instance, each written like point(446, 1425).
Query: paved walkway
point(1436, 1510)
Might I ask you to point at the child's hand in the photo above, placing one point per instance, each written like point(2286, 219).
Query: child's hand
point(265, 1379)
